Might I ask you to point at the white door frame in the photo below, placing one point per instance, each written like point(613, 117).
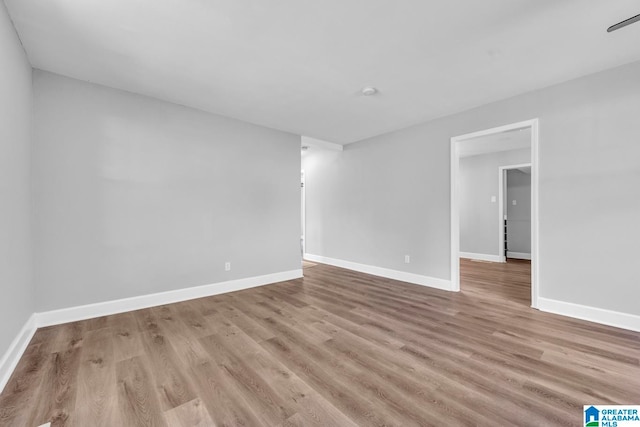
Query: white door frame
point(455, 203)
point(303, 213)
point(501, 205)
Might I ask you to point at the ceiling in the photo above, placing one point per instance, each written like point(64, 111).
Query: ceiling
point(298, 66)
point(503, 141)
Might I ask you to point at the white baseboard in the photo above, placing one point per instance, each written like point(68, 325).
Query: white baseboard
point(480, 257)
point(72, 314)
point(13, 354)
point(518, 255)
point(592, 314)
point(402, 276)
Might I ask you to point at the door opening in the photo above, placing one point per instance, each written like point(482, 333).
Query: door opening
point(477, 141)
point(514, 211)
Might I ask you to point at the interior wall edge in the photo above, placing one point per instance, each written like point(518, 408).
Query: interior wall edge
point(17, 300)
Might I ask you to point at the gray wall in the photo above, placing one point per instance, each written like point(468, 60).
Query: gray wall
point(479, 227)
point(134, 196)
point(371, 204)
point(387, 196)
point(16, 291)
point(518, 215)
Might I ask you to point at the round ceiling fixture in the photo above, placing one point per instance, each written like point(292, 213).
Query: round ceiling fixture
point(369, 90)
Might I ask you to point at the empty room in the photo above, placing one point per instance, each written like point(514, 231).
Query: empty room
point(340, 213)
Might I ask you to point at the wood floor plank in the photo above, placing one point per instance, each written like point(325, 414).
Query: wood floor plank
point(420, 380)
point(309, 405)
point(23, 390)
point(195, 322)
point(173, 386)
point(96, 397)
point(58, 406)
point(69, 336)
point(224, 399)
point(248, 325)
point(138, 403)
point(267, 403)
point(336, 390)
point(190, 414)
point(184, 339)
point(126, 337)
point(336, 348)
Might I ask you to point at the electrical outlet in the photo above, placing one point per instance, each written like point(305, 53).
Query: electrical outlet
point(227, 266)
point(407, 259)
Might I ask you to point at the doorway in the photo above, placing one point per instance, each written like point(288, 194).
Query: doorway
point(514, 212)
point(474, 141)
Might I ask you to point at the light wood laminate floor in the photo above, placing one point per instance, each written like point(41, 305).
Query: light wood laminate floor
point(337, 348)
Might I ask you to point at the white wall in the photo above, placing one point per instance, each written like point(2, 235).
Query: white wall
point(518, 215)
point(388, 196)
point(135, 196)
point(16, 291)
point(479, 226)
